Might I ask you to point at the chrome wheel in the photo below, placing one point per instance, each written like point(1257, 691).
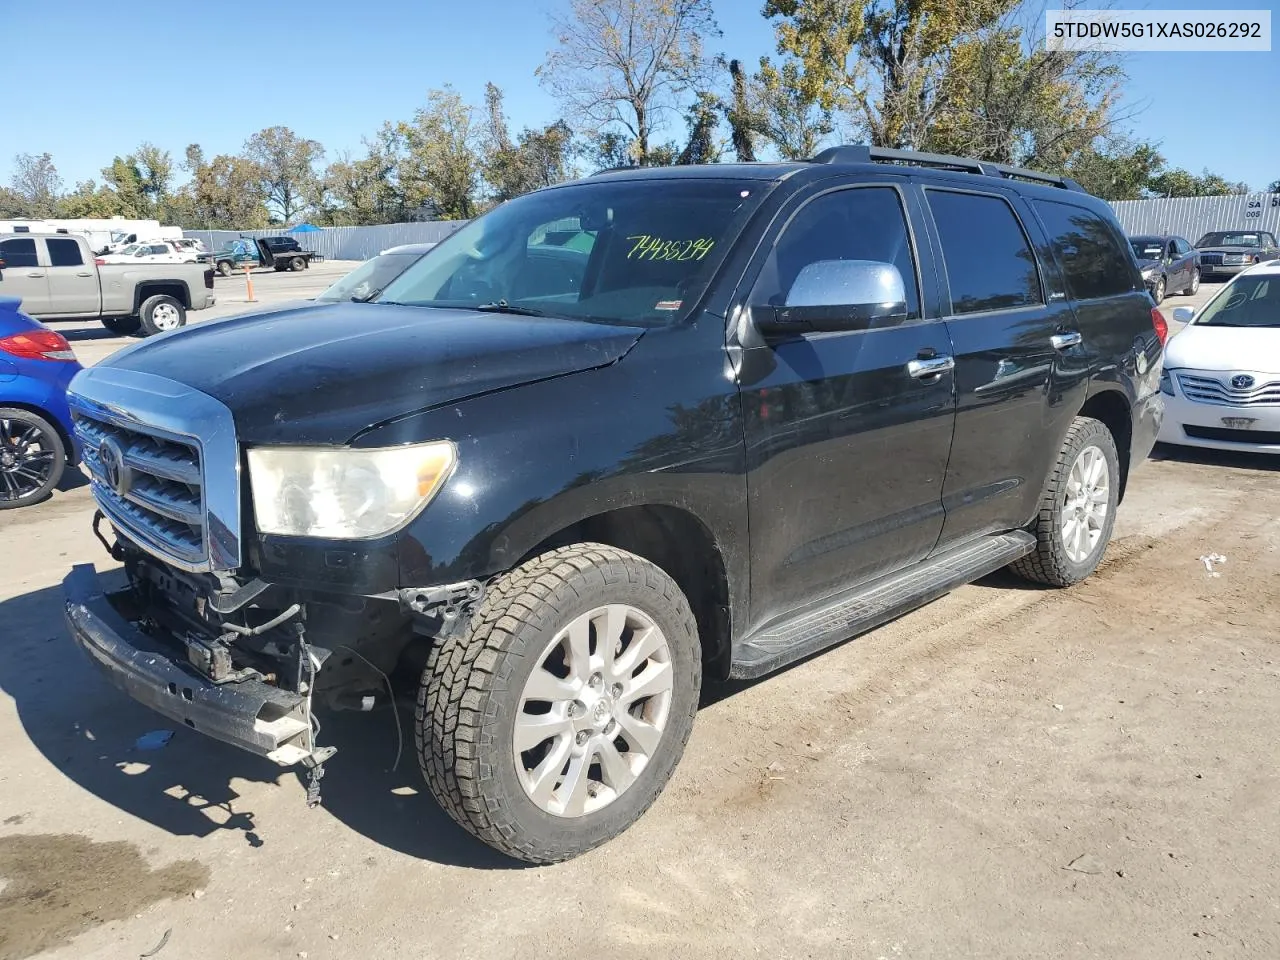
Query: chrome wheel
point(1086, 504)
point(27, 458)
point(165, 316)
point(1195, 283)
point(592, 713)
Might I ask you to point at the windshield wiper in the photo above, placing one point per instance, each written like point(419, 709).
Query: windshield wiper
point(501, 306)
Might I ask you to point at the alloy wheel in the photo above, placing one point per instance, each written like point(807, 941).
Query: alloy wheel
point(26, 458)
point(1086, 504)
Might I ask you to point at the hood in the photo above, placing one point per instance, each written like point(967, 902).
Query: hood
point(324, 373)
point(1232, 349)
point(1148, 264)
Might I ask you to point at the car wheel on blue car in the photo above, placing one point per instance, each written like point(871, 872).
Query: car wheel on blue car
point(32, 457)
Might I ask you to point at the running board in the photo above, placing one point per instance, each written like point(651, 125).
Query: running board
point(782, 642)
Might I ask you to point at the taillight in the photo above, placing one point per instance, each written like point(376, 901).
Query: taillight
point(98, 261)
point(1161, 327)
point(37, 345)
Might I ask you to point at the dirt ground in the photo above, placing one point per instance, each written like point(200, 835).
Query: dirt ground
point(1008, 772)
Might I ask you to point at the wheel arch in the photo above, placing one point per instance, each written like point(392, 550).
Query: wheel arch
point(68, 442)
point(1112, 408)
point(170, 288)
point(681, 545)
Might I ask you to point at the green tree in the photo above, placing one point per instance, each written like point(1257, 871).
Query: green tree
point(537, 158)
point(786, 110)
point(441, 161)
point(1117, 170)
point(35, 185)
point(1273, 186)
point(623, 66)
point(740, 114)
point(90, 200)
point(224, 193)
point(13, 206)
point(286, 169)
point(1183, 183)
point(703, 146)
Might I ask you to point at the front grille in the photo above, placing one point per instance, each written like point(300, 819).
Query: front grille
point(152, 488)
point(1211, 259)
point(1205, 389)
point(1224, 435)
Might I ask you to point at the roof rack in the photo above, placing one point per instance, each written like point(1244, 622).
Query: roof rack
point(861, 153)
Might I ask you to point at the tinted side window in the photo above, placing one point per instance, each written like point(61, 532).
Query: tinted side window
point(863, 223)
point(64, 253)
point(1181, 246)
point(159, 249)
point(990, 265)
point(1087, 248)
point(19, 253)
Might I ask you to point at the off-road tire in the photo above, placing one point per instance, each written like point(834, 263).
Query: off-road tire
point(473, 682)
point(122, 326)
point(146, 313)
point(1049, 563)
point(297, 264)
point(56, 445)
point(224, 267)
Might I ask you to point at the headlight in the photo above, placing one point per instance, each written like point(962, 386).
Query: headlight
point(342, 492)
point(1166, 383)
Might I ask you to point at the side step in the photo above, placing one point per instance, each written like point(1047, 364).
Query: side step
point(793, 638)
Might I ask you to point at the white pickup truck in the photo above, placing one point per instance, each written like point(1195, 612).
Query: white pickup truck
point(58, 278)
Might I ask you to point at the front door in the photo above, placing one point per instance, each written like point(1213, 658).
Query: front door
point(24, 276)
point(73, 284)
point(1012, 404)
point(846, 443)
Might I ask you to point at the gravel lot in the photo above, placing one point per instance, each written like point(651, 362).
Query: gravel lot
point(1008, 772)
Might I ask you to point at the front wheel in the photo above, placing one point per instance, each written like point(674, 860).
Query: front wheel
point(32, 457)
point(1077, 510)
point(160, 314)
point(1158, 293)
point(552, 723)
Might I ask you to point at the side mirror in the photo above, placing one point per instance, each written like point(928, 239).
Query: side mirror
point(837, 295)
point(1183, 314)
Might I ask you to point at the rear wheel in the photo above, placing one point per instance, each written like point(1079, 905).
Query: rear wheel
point(556, 719)
point(224, 267)
point(1077, 509)
point(297, 264)
point(32, 457)
point(160, 314)
point(1194, 286)
point(122, 326)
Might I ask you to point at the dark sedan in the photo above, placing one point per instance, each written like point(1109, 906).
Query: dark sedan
point(1169, 264)
point(1224, 253)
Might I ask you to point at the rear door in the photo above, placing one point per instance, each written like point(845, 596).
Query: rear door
point(73, 284)
point(846, 445)
point(1016, 391)
point(24, 275)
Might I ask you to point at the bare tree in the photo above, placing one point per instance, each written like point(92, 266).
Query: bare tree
point(624, 65)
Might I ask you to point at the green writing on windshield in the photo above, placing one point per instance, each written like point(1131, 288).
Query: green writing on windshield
point(656, 248)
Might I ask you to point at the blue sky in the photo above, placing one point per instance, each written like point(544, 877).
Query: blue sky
point(105, 77)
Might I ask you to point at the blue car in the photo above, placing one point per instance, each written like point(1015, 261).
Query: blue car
point(36, 440)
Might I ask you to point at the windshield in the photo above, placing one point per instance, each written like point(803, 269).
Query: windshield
point(628, 251)
point(1147, 248)
point(130, 250)
point(1250, 301)
point(1230, 240)
point(368, 279)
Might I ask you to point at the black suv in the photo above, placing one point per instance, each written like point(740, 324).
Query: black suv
point(613, 438)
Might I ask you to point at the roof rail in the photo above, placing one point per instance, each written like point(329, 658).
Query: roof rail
point(632, 166)
point(861, 153)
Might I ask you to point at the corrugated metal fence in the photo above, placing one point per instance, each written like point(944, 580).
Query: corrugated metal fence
point(343, 243)
point(1193, 217)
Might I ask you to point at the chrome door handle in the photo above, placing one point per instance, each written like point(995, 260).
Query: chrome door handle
point(35, 274)
point(932, 367)
point(1065, 341)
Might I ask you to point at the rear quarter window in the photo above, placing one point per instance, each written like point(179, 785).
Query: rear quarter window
point(1093, 261)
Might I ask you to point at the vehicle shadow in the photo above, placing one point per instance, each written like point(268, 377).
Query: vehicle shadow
point(89, 730)
point(1243, 460)
point(85, 334)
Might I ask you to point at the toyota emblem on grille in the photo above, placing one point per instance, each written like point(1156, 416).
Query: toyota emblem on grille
point(1242, 382)
point(113, 469)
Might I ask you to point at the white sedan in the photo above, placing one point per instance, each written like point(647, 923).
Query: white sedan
point(155, 251)
point(1221, 376)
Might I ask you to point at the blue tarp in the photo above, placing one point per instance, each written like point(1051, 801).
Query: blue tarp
point(305, 228)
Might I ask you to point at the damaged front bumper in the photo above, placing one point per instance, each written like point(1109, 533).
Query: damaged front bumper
point(249, 713)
